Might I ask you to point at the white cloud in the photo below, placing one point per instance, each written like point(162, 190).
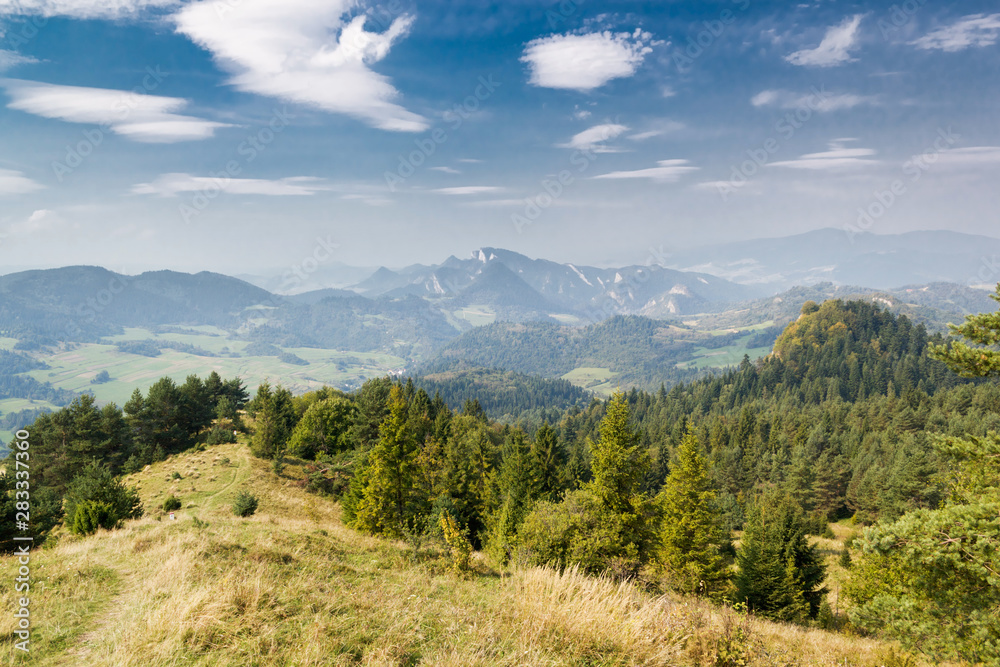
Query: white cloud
point(668, 171)
point(370, 200)
point(820, 102)
point(973, 156)
point(10, 59)
point(168, 185)
point(304, 51)
point(594, 138)
point(446, 170)
point(470, 160)
point(42, 220)
point(585, 62)
point(16, 183)
point(83, 9)
point(835, 47)
point(468, 190)
point(837, 158)
point(145, 118)
point(498, 203)
point(657, 129)
point(581, 114)
point(972, 30)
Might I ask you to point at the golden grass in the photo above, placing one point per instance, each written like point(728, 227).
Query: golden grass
point(293, 586)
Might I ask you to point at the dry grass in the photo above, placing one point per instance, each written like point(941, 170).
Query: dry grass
point(292, 586)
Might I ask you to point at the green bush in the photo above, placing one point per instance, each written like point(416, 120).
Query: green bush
point(172, 503)
point(245, 504)
point(91, 515)
point(220, 436)
point(97, 484)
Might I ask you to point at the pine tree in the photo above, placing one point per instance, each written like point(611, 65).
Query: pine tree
point(515, 490)
point(780, 574)
point(274, 418)
point(617, 459)
point(691, 532)
point(548, 459)
point(387, 503)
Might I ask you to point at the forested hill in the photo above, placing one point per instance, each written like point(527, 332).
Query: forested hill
point(842, 416)
point(504, 395)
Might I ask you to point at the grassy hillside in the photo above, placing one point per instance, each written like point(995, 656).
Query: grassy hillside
point(292, 586)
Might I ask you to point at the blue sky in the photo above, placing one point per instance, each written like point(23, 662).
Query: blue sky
point(243, 135)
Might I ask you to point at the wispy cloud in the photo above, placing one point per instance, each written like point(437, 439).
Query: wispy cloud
point(83, 9)
point(585, 62)
point(468, 190)
point(973, 156)
point(594, 138)
point(838, 158)
point(668, 171)
point(310, 52)
point(10, 59)
point(16, 183)
point(835, 47)
point(786, 99)
point(169, 185)
point(446, 170)
point(972, 30)
point(140, 117)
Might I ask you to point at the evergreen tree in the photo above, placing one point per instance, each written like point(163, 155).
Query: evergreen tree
point(386, 506)
point(274, 418)
point(548, 458)
point(691, 532)
point(618, 461)
point(780, 574)
point(515, 491)
point(930, 579)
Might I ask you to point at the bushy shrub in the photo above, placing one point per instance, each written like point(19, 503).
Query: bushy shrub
point(220, 436)
point(172, 503)
point(91, 515)
point(245, 504)
point(97, 484)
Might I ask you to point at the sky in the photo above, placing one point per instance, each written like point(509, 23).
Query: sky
point(245, 136)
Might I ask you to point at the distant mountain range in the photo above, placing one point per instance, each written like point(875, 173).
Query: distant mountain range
point(521, 288)
point(413, 312)
point(881, 261)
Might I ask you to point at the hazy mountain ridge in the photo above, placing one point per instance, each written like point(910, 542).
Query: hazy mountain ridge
point(882, 261)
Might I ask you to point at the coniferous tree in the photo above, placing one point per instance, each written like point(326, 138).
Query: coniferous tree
point(549, 459)
point(274, 418)
point(386, 506)
point(691, 533)
point(780, 574)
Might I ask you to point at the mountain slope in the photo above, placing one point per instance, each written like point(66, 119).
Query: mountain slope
point(293, 585)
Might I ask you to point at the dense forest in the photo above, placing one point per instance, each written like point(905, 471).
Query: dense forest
point(858, 413)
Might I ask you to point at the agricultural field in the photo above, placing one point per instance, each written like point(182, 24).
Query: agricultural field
point(74, 366)
point(598, 380)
